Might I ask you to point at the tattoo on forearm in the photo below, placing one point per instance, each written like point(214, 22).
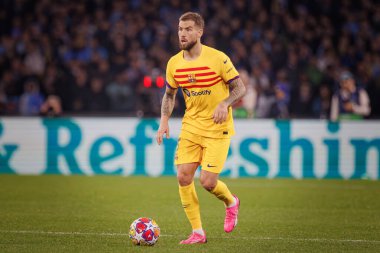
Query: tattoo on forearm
point(168, 103)
point(237, 91)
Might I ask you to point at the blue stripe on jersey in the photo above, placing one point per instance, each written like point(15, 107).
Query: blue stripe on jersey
point(169, 86)
point(229, 81)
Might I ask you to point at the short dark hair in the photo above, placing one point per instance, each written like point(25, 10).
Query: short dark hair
point(196, 17)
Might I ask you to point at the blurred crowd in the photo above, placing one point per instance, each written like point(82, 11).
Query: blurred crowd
point(83, 57)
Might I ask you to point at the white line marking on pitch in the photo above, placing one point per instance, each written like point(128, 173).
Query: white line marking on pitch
point(166, 235)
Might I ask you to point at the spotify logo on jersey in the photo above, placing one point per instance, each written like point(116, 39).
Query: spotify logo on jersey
point(196, 93)
point(187, 92)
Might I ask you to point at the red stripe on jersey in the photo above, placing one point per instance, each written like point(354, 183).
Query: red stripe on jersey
point(196, 75)
point(205, 74)
point(200, 80)
point(202, 86)
point(191, 69)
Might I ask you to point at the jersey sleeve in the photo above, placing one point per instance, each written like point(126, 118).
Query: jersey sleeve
point(170, 82)
point(229, 72)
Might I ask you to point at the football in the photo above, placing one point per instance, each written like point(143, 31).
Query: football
point(144, 231)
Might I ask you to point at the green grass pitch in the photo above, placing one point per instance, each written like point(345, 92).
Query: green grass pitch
point(93, 214)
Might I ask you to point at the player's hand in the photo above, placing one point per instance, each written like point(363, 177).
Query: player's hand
point(348, 106)
point(220, 113)
point(163, 129)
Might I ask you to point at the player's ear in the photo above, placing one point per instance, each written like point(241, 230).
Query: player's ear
point(200, 32)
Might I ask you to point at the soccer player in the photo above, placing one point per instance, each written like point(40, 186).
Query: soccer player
point(210, 84)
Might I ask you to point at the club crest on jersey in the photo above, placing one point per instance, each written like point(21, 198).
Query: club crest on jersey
point(191, 78)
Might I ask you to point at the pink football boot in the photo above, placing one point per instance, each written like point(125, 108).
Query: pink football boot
point(231, 219)
point(195, 238)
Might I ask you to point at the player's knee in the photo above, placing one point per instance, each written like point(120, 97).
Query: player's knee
point(184, 179)
point(207, 183)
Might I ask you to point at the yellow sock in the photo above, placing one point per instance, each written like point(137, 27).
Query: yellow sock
point(222, 192)
point(190, 204)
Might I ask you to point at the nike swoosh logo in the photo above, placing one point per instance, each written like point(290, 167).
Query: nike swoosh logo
point(210, 166)
point(225, 61)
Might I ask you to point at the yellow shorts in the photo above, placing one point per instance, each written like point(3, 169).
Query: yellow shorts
point(210, 153)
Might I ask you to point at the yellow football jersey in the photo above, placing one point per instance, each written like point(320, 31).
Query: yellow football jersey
point(204, 83)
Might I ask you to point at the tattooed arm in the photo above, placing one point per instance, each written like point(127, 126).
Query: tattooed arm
point(166, 110)
point(168, 102)
point(237, 91)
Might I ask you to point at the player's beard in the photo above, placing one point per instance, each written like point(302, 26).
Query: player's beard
point(188, 46)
